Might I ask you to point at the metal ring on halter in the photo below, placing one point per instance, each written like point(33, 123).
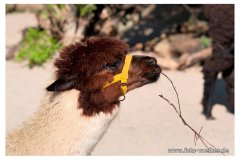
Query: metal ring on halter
point(123, 84)
point(122, 99)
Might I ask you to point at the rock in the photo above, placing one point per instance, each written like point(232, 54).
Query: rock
point(197, 27)
point(163, 36)
point(163, 48)
point(149, 45)
point(187, 60)
point(108, 26)
point(146, 12)
point(165, 63)
point(105, 14)
point(138, 46)
point(184, 43)
point(170, 49)
point(135, 17)
point(123, 28)
point(148, 31)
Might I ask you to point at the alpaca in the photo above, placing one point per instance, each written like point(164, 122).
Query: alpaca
point(221, 23)
point(79, 105)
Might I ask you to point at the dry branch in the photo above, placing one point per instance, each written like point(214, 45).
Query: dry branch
point(187, 60)
point(197, 135)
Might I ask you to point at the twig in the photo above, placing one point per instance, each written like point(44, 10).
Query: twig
point(197, 135)
point(179, 107)
point(187, 60)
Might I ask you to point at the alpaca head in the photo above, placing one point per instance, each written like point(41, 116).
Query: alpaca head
point(90, 65)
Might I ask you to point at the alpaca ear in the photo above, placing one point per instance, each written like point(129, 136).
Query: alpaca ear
point(61, 85)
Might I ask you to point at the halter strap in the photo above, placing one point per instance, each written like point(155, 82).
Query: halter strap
point(123, 76)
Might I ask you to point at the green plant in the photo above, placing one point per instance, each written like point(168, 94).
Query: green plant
point(37, 47)
point(51, 6)
point(205, 41)
point(84, 9)
point(52, 10)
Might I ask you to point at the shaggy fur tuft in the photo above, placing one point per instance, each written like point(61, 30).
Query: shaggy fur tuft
point(86, 58)
point(82, 66)
point(221, 23)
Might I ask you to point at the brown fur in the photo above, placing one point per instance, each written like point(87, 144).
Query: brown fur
point(221, 23)
point(85, 66)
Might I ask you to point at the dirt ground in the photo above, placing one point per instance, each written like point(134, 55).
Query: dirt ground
point(146, 124)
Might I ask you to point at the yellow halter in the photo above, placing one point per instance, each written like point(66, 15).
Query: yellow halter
point(123, 76)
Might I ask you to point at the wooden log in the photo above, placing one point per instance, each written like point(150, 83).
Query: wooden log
point(188, 60)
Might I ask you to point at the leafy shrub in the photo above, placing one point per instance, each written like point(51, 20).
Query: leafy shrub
point(37, 47)
point(84, 9)
point(205, 41)
point(55, 9)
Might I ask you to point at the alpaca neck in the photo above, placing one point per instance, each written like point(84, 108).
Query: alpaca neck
point(59, 128)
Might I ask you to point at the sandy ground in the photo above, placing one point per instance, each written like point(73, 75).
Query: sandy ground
point(146, 124)
point(14, 29)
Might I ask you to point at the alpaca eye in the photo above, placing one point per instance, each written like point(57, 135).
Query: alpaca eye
point(113, 65)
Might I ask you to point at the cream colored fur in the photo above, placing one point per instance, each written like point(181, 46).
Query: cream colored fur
point(58, 128)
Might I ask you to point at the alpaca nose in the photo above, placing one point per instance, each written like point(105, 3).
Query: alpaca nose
point(150, 60)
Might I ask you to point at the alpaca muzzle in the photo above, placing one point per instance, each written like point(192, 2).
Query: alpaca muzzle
point(123, 76)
